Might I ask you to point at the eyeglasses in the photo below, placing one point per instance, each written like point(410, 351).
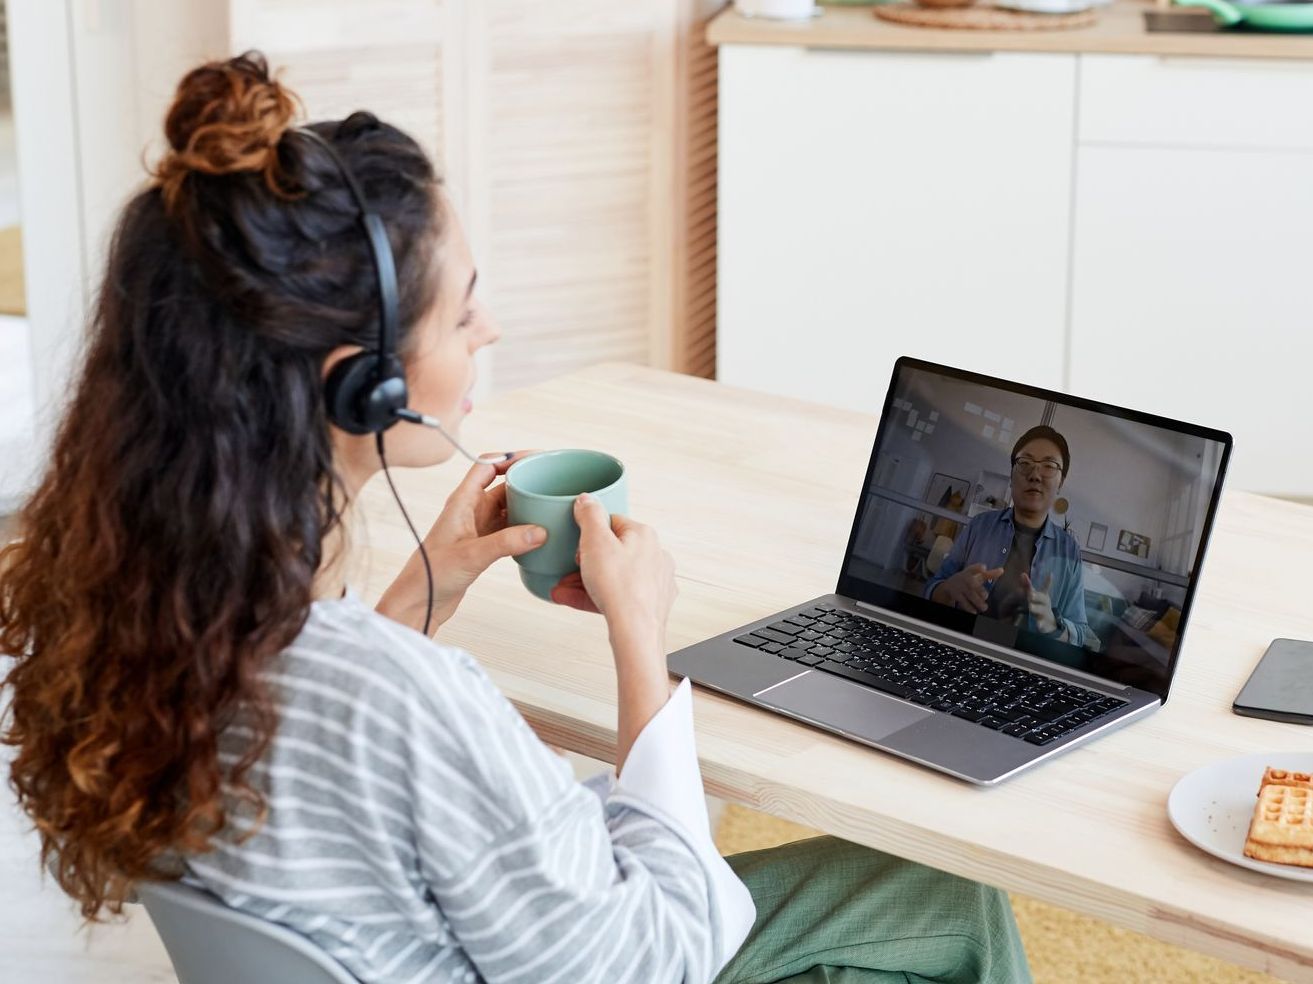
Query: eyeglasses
point(1047, 467)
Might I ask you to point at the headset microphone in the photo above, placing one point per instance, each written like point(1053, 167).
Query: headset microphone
point(424, 420)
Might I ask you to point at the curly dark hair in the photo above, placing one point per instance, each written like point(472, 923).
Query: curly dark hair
point(170, 548)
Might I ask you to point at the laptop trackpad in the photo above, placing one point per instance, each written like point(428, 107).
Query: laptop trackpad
point(833, 702)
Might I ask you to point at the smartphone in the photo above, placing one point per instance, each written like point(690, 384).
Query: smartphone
point(1281, 686)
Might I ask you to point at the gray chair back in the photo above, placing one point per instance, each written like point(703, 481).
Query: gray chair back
point(210, 943)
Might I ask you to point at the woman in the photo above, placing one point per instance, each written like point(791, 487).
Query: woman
point(197, 694)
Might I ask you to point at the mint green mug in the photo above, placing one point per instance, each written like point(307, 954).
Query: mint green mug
point(541, 490)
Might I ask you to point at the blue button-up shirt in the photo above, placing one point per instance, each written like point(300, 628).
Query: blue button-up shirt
point(987, 540)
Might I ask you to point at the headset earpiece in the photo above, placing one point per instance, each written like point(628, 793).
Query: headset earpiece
point(362, 395)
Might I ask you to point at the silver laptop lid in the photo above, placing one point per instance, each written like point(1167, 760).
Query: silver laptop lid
point(1050, 525)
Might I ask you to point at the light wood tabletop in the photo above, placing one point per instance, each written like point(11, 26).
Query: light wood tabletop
point(754, 495)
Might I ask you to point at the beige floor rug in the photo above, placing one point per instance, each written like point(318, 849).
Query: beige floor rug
point(1064, 948)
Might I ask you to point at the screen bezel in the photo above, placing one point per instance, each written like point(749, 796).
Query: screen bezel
point(925, 610)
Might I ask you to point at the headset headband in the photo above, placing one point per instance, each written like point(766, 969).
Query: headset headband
point(379, 248)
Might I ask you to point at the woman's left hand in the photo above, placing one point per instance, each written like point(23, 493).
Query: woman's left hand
point(468, 536)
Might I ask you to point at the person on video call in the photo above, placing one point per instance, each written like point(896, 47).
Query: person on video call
point(1015, 564)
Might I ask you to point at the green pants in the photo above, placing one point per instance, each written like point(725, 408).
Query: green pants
point(831, 912)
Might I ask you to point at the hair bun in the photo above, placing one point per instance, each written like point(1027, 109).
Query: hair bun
point(227, 118)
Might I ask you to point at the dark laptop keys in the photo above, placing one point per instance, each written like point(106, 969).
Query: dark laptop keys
point(870, 679)
point(1003, 698)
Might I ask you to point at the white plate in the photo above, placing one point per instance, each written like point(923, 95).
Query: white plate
point(1211, 808)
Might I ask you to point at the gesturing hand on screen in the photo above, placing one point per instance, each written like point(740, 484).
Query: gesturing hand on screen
point(1041, 603)
point(967, 588)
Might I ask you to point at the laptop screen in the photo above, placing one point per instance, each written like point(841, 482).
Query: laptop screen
point(1059, 527)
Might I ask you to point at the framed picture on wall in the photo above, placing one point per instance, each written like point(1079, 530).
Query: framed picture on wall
point(1098, 537)
point(1133, 543)
point(948, 492)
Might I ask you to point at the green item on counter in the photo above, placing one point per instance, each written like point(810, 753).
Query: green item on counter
point(1263, 17)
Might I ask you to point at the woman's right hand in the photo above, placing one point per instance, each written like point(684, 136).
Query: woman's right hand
point(624, 573)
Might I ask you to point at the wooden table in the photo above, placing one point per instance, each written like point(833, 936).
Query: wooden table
point(754, 496)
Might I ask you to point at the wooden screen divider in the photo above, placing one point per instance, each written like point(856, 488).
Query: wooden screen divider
point(578, 140)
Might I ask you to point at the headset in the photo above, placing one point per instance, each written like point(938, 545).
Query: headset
point(365, 393)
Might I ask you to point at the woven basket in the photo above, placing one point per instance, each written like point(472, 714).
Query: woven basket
point(981, 18)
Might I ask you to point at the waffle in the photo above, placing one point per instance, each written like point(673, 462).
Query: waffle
point(1282, 828)
point(1286, 777)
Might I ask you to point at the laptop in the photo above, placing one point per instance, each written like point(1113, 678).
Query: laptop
point(1017, 582)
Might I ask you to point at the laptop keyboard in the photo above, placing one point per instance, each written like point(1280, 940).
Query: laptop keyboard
point(996, 695)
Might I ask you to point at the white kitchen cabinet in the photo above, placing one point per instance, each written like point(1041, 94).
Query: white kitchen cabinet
point(1135, 228)
point(1191, 249)
point(1209, 103)
point(1190, 296)
point(875, 205)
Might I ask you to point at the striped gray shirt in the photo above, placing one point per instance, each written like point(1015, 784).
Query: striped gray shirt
point(418, 830)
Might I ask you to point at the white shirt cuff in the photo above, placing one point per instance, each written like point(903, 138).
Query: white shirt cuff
point(662, 771)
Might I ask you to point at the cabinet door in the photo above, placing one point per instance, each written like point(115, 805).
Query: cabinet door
point(1190, 297)
point(1210, 103)
point(876, 204)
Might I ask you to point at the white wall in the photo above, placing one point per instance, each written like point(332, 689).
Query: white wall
point(48, 186)
point(91, 80)
point(16, 381)
point(128, 56)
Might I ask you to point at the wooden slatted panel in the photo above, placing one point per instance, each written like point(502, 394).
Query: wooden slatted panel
point(569, 144)
point(579, 141)
point(4, 57)
point(401, 84)
point(344, 55)
point(695, 334)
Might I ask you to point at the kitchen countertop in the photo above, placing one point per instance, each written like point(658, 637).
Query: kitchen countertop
point(1120, 30)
